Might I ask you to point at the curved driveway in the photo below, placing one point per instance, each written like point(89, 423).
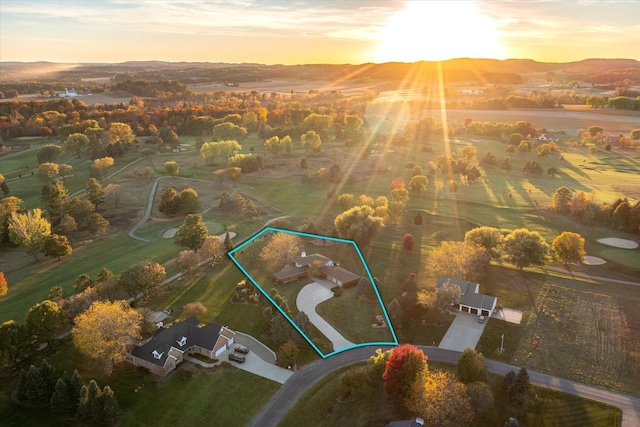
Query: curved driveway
point(291, 391)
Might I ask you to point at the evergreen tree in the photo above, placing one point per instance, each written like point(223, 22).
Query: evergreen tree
point(228, 245)
point(88, 404)
point(109, 408)
point(74, 386)
point(60, 400)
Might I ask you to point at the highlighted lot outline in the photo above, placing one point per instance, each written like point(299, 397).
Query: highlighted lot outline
point(266, 295)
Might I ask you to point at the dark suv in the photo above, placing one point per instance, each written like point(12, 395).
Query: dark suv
point(236, 357)
point(241, 349)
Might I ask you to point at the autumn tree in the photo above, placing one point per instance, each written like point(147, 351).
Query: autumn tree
point(469, 152)
point(418, 183)
point(169, 201)
point(103, 332)
point(568, 248)
point(481, 397)
point(187, 261)
point(44, 320)
point(358, 223)
point(4, 288)
point(441, 400)
point(194, 308)
point(346, 201)
point(114, 192)
point(405, 366)
point(280, 247)
point(48, 171)
point(142, 278)
point(192, 233)
point(121, 132)
point(55, 198)
point(525, 248)
point(102, 165)
point(171, 168)
point(29, 230)
point(448, 294)
point(287, 354)
point(312, 142)
point(407, 242)
point(460, 260)
point(561, 199)
point(487, 237)
point(212, 247)
point(471, 367)
point(228, 131)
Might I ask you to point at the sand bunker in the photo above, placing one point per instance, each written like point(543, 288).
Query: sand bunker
point(224, 235)
point(170, 233)
point(619, 243)
point(592, 260)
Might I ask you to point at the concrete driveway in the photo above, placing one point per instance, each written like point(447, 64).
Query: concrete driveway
point(464, 332)
point(256, 365)
point(308, 298)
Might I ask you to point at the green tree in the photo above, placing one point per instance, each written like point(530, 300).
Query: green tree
point(55, 197)
point(460, 260)
point(280, 247)
point(142, 278)
point(171, 168)
point(98, 224)
point(49, 153)
point(189, 202)
point(56, 294)
point(61, 402)
point(487, 237)
point(515, 138)
point(469, 152)
point(44, 320)
point(318, 123)
point(471, 367)
point(568, 248)
point(525, 248)
point(15, 343)
point(169, 201)
point(209, 151)
point(481, 397)
point(228, 244)
point(95, 193)
point(104, 331)
point(192, 232)
point(56, 246)
point(561, 199)
point(76, 144)
point(29, 230)
point(228, 131)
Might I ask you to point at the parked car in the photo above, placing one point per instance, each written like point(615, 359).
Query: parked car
point(241, 349)
point(236, 357)
point(481, 319)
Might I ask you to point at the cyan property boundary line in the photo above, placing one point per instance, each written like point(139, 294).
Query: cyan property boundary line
point(266, 295)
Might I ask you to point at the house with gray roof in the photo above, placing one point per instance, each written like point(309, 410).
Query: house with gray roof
point(165, 350)
point(470, 300)
point(328, 269)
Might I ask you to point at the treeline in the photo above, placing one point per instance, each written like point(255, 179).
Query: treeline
point(155, 89)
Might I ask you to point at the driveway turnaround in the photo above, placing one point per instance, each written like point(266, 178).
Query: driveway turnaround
point(254, 364)
point(464, 332)
point(308, 298)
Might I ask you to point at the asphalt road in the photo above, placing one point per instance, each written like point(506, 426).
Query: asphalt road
point(291, 391)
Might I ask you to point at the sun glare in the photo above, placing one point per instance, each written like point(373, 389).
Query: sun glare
point(438, 30)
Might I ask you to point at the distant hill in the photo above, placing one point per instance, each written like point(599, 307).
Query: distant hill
point(459, 69)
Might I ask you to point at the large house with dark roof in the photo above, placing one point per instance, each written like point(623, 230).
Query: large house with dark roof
point(470, 300)
point(332, 272)
point(165, 350)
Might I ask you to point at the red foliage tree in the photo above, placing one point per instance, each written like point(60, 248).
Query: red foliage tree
point(404, 367)
point(407, 242)
point(397, 183)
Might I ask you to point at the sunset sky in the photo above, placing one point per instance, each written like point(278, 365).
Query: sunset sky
point(301, 32)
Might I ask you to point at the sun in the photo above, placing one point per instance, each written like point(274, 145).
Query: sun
point(438, 30)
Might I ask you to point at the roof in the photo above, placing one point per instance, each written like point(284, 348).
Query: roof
point(469, 293)
point(290, 273)
point(310, 259)
point(180, 336)
point(464, 284)
point(339, 273)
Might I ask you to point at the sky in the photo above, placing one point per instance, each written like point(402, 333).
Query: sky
point(320, 31)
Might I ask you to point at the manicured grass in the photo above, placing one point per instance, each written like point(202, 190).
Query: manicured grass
point(319, 407)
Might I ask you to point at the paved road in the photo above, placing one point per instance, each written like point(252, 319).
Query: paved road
point(291, 391)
